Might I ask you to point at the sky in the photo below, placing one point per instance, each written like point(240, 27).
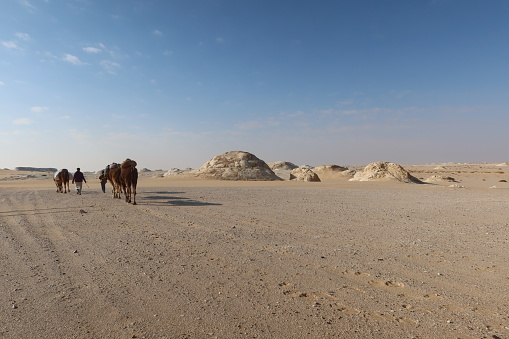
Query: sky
point(174, 83)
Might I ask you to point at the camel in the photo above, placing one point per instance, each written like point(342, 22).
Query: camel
point(113, 174)
point(61, 178)
point(129, 180)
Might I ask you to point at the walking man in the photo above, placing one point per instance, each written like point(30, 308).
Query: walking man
point(103, 180)
point(78, 179)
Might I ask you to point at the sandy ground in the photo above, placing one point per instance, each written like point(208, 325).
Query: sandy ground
point(214, 259)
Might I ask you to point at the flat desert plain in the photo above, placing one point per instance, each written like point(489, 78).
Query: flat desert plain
point(219, 259)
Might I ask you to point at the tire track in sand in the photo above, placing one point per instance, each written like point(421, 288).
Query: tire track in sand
point(46, 257)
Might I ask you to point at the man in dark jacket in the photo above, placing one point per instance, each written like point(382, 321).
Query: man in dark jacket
point(103, 178)
point(78, 179)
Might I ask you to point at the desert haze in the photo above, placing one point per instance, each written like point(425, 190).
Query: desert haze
point(203, 258)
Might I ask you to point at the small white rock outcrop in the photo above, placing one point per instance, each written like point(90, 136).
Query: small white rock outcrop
point(333, 172)
point(304, 174)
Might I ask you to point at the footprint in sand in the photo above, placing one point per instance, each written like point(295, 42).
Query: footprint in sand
point(357, 289)
point(347, 309)
point(294, 293)
point(389, 283)
point(485, 269)
point(356, 273)
point(433, 296)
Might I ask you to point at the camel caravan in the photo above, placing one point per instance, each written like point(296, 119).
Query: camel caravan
point(122, 177)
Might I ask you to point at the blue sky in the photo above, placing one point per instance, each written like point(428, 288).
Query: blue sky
point(173, 83)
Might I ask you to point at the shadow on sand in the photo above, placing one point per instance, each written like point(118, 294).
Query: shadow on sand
point(170, 198)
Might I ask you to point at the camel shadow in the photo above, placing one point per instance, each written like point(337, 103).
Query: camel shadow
point(168, 198)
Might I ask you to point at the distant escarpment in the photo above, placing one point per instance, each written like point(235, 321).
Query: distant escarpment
point(36, 169)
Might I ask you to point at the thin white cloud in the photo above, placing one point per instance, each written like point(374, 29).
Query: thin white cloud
point(170, 131)
point(92, 50)
point(123, 136)
point(295, 114)
point(157, 32)
point(78, 135)
point(167, 53)
point(39, 109)
point(110, 66)
point(72, 59)
point(374, 110)
point(46, 56)
point(456, 110)
point(22, 121)
point(219, 40)
point(27, 5)
point(2, 83)
point(22, 36)
point(11, 133)
point(10, 44)
point(355, 111)
point(257, 124)
point(102, 48)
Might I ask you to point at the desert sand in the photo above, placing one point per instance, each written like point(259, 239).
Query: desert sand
point(281, 259)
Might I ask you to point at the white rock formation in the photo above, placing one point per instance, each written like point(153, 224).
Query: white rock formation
point(304, 174)
point(382, 170)
point(236, 165)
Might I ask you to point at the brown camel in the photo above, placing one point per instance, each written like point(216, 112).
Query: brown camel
point(129, 180)
point(113, 174)
point(61, 179)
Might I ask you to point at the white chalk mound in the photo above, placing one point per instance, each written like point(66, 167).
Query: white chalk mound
point(236, 165)
point(176, 171)
point(282, 166)
point(435, 178)
point(304, 174)
point(333, 172)
point(384, 171)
